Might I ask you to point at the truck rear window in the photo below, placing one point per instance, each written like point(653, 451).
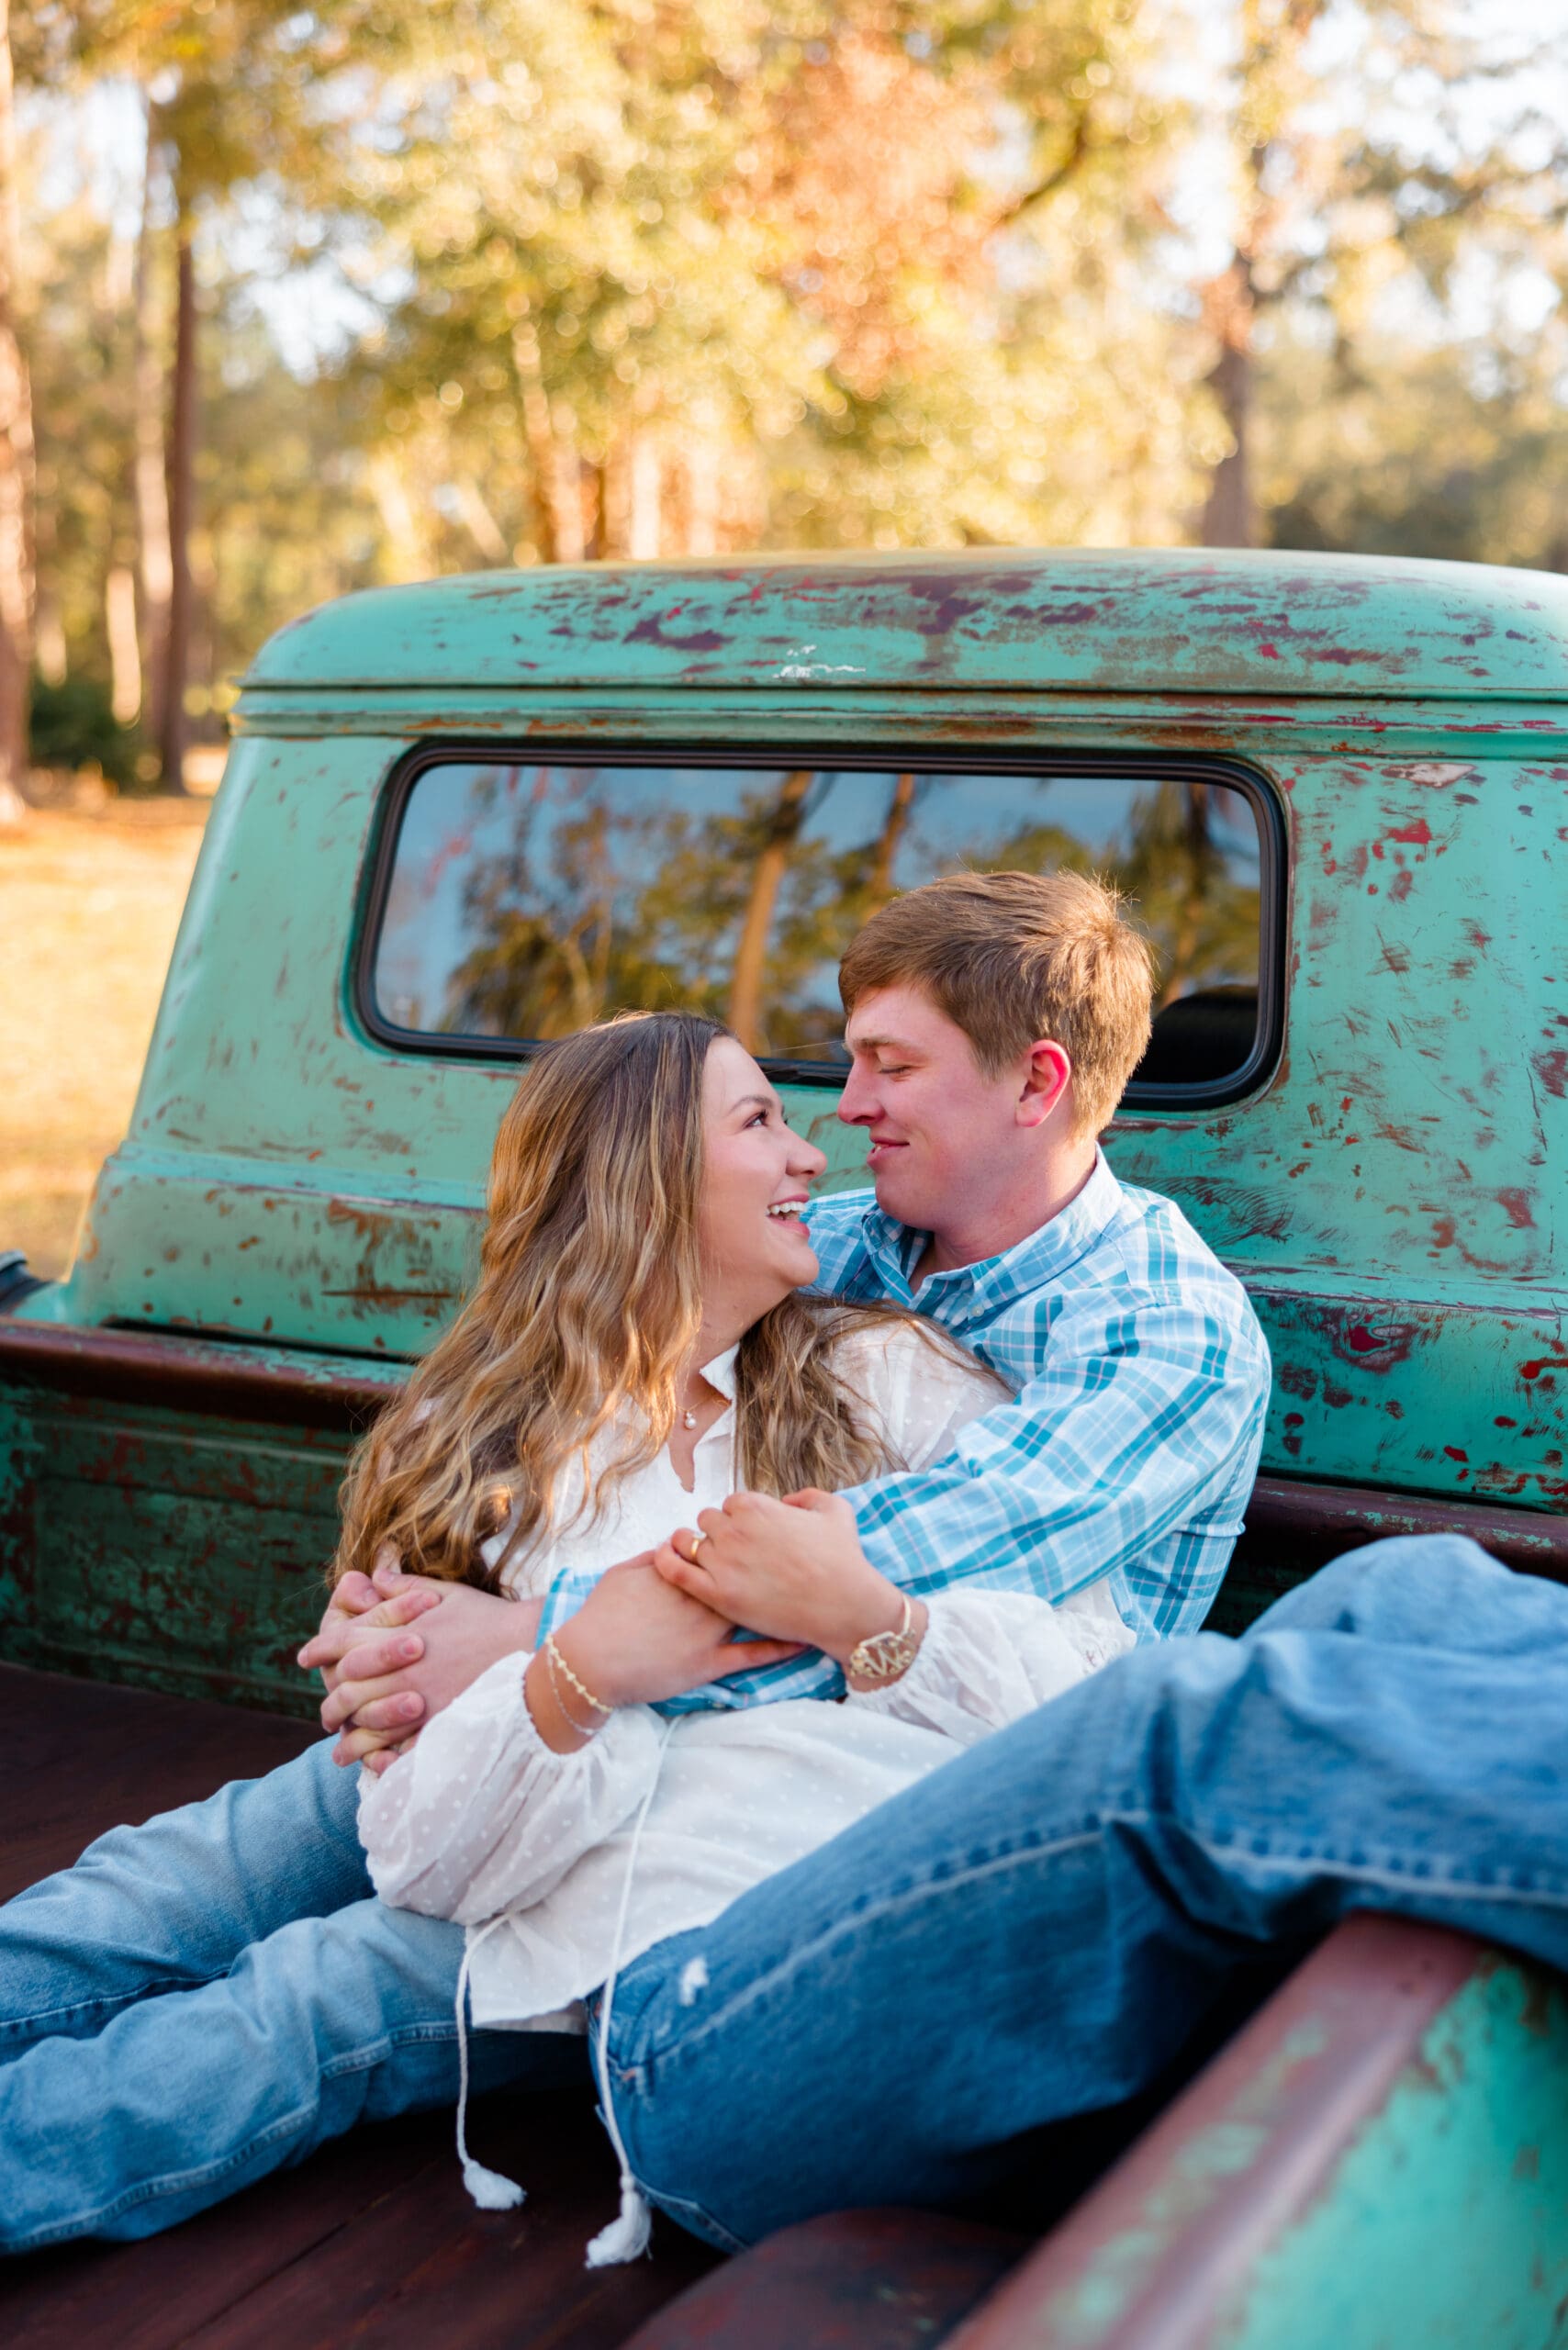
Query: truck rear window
point(516, 901)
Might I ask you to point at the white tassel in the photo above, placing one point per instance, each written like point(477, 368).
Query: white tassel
point(626, 2238)
point(489, 2188)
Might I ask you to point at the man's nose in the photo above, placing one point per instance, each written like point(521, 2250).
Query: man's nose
point(857, 1106)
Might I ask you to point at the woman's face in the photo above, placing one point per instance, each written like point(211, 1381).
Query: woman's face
point(757, 1177)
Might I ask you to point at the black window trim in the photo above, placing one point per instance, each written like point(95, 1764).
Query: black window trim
point(1235, 774)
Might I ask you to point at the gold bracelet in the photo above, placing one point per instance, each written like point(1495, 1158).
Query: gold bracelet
point(584, 1730)
point(885, 1656)
point(586, 1693)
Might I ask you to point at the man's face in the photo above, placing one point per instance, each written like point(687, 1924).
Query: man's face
point(938, 1126)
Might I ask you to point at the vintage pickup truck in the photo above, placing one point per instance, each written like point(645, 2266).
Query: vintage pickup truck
point(460, 818)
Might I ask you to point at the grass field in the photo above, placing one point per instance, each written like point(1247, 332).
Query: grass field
point(89, 904)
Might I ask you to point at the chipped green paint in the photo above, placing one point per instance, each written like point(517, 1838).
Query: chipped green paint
point(1447, 2221)
point(1127, 2266)
point(1378, 2160)
point(1175, 621)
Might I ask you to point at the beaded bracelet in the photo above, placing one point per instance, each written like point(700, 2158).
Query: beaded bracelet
point(584, 1730)
point(558, 1664)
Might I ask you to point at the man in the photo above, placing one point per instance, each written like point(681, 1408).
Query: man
point(992, 1023)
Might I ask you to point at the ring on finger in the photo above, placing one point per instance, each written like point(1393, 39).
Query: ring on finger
point(694, 1545)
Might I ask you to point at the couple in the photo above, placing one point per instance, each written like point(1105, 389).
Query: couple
point(814, 1969)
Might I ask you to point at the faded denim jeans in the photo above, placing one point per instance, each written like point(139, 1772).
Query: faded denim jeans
point(1033, 1931)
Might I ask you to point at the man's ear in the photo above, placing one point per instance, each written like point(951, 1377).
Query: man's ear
point(1046, 1076)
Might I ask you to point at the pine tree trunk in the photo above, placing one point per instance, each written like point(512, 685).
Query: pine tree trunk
point(1230, 518)
point(767, 874)
point(182, 498)
point(646, 488)
point(154, 567)
point(879, 886)
point(125, 658)
point(16, 582)
point(551, 432)
point(703, 450)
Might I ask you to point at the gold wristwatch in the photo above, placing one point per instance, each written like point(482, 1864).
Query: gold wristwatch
point(883, 1656)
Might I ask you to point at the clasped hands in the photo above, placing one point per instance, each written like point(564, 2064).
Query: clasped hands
point(394, 1649)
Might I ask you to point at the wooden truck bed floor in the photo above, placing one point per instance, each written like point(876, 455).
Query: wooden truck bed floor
point(373, 2240)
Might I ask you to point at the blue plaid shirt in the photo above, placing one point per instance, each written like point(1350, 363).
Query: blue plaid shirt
point(1140, 1378)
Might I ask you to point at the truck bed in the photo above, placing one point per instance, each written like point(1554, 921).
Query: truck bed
point(374, 2238)
point(1395, 2115)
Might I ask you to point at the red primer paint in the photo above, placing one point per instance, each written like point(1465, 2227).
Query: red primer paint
point(1552, 1071)
point(1455, 1453)
point(1419, 835)
point(1518, 1206)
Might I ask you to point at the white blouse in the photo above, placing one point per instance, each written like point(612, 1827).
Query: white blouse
point(480, 1821)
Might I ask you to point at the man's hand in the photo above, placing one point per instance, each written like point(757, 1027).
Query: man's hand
point(384, 1684)
point(637, 1639)
point(793, 1568)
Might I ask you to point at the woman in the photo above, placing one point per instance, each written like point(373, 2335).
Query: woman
point(635, 1348)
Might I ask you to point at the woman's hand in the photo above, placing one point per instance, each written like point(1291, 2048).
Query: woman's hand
point(636, 1639)
point(793, 1568)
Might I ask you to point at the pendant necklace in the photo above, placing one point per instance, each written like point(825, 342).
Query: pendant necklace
point(689, 1419)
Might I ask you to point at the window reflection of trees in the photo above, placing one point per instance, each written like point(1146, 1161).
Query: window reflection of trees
point(584, 894)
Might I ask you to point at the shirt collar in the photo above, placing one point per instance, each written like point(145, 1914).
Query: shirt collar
point(1035, 1262)
point(721, 1372)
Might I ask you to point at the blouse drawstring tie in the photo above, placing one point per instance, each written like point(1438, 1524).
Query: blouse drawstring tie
point(490, 2189)
point(627, 2236)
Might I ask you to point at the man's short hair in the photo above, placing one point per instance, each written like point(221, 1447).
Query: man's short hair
point(1011, 957)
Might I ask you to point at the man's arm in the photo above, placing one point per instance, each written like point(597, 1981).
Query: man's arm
point(1145, 1416)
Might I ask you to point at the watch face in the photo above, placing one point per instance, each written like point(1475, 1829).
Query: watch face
point(882, 1657)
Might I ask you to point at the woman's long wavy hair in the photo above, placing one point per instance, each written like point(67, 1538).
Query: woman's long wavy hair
point(588, 1305)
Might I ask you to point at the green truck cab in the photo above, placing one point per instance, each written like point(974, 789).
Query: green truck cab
point(462, 817)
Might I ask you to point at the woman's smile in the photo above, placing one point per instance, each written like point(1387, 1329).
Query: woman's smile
point(756, 1171)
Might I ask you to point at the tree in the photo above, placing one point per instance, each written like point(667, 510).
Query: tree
point(16, 582)
point(688, 280)
point(236, 93)
point(1421, 148)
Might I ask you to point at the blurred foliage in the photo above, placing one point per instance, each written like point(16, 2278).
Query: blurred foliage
point(72, 724)
point(624, 277)
point(1408, 454)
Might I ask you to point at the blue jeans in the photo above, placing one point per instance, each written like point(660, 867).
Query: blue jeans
point(1039, 1929)
point(1036, 1931)
point(208, 1998)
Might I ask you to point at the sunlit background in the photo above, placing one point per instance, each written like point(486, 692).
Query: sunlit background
point(313, 299)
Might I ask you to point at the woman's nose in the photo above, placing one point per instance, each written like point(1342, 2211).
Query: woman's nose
point(805, 1158)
